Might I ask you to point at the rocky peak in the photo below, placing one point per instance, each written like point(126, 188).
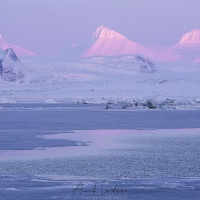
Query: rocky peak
point(11, 54)
point(10, 67)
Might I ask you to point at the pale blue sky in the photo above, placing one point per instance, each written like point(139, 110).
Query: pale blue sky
point(46, 26)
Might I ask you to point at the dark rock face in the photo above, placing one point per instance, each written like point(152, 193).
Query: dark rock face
point(1, 65)
point(11, 54)
point(135, 62)
point(9, 75)
point(146, 65)
point(9, 64)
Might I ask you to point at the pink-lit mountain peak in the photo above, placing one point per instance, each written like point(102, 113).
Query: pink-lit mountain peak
point(102, 32)
point(20, 51)
point(107, 42)
point(192, 37)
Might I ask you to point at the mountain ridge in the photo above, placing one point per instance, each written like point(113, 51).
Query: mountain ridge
point(20, 51)
point(107, 42)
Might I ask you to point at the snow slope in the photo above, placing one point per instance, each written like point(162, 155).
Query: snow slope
point(118, 81)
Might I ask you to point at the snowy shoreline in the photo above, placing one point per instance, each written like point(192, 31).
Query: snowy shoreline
point(124, 83)
point(108, 104)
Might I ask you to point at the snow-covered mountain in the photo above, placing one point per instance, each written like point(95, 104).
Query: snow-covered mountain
point(10, 66)
point(107, 42)
point(189, 46)
point(192, 37)
point(19, 50)
point(105, 71)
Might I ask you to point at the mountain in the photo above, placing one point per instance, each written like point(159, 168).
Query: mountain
point(19, 50)
point(189, 46)
point(104, 42)
point(191, 38)
point(107, 42)
point(10, 66)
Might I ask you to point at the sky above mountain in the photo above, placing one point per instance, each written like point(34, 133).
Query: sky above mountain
point(46, 26)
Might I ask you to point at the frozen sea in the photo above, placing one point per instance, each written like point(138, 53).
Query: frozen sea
point(87, 152)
